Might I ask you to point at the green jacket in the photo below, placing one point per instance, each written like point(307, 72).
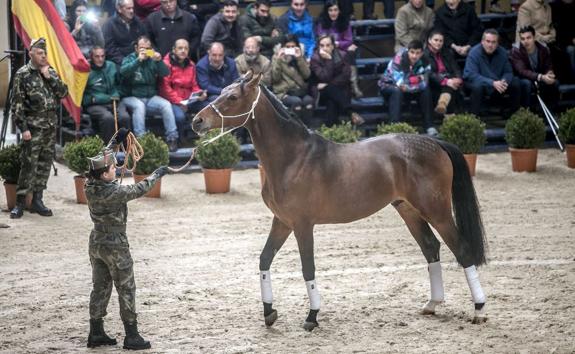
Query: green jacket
point(108, 206)
point(290, 79)
point(140, 78)
point(101, 85)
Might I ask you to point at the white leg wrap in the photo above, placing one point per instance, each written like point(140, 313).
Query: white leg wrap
point(436, 281)
point(474, 285)
point(313, 294)
point(266, 286)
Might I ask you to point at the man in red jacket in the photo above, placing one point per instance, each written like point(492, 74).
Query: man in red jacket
point(180, 86)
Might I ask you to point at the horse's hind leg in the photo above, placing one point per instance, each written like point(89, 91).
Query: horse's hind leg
point(277, 237)
point(429, 245)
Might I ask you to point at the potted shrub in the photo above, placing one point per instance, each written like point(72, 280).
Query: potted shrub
point(217, 159)
point(395, 128)
point(76, 154)
point(467, 132)
point(340, 133)
point(156, 154)
point(9, 172)
point(524, 133)
point(567, 135)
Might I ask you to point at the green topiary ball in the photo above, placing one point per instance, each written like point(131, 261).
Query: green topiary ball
point(76, 153)
point(10, 163)
point(525, 130)
point(156, 154)
point(567, 127)
point(395, 128)
point(465, 131)
point(340, 133)
point(221, 153)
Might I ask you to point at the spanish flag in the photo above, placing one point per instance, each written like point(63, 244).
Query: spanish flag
point(38, 18)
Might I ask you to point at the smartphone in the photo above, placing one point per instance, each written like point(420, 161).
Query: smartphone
point(289, 51)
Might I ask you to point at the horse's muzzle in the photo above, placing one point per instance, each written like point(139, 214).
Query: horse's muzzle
point(199, 126)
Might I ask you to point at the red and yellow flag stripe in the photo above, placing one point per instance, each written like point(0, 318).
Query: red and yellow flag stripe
point(38, 18)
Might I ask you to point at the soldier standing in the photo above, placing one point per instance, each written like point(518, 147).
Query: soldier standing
point(109, 249)
point(36, 96)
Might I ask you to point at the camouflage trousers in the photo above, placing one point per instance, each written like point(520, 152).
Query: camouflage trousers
point(112, 264)
point(36, 159)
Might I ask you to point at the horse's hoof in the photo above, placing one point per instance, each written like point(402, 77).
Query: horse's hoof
point(429, 308)
point(271, 318)
point(479, 319)
point(309, 326)
point(480, 314)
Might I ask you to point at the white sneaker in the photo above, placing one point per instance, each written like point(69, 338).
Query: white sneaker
point(432, 132)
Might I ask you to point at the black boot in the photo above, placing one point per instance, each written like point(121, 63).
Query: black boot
point(98, 336)
point(133, 339)
point(38, 206)
point(18, 210)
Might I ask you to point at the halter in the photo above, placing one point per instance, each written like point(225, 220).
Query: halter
point(248, 114)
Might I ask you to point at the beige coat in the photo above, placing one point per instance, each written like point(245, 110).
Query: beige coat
point(536, 13)
point(262, 65)
point(412, 23)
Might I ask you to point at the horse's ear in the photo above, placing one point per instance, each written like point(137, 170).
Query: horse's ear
point(255, 80)
point(248, 76)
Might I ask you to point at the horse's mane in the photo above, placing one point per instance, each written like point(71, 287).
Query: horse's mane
point(280, 108)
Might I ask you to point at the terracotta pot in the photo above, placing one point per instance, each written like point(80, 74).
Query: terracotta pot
point(523, 160)
point(11, 196)
point(262, 174)
point(156, 190)
point(570, 151)
point(471, 160)
point(217, 181)
point(79, 182)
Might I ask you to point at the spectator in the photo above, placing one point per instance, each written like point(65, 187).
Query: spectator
point(85, 28)
point(121, 31)
point(562, 11)
point(413, 22)
point(331, 69)
point(332, 21)
point(290, 72)
point(252, 60)
point(224, 28)
point(408, 74)
point(170, 23)
point(388, 9)
point(60, 6)
point(298, 21)
point(143, 8)
point(531, 63)
point(445, 78)
point(460, 26)
point(536, 13)
point(101, 90)
point(215, 71)
point(488, 72)
point(202, 9)
point(139, 74)
point(258, 22)
point(109, 7)
point(179, 85)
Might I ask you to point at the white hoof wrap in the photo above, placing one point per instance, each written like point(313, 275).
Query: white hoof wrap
point(474, 285)
point(266, 286)
point(436, 281)
point(429, 308)
point(313, 294)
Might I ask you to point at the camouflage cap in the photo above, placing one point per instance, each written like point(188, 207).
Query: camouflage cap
point(39, 43)
point(104, 159)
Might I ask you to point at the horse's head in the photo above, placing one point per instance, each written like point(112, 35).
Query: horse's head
point(233, 108)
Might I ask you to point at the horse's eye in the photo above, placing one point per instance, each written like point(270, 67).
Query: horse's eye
point(233, 97)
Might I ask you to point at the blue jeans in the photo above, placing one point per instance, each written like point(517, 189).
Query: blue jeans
point(155, 105)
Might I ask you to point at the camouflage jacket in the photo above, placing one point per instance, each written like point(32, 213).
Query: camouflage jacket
point(107, 202)
point(34, 96)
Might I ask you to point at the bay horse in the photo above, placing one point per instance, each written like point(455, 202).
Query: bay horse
point(310, 180)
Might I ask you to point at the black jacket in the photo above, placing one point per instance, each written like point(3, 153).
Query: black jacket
point(451, 66)
point(164, 31)
point(461, 27)
point(121, 38)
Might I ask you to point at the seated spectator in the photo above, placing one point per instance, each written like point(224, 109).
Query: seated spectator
point(178, 86)
point(252, 60)
point(84, 27)
point(139, 75)
point(332, 21)
point(100, 91)
point(388, 9)
point(298, 21)
point(536, 13)
point(224, 28)
point(202, 9)
point(531, 62)
point(445, 79)
point(564, 58)
point(170, 23)
point(143, 8)
point(488, 72)
point(460, 26)
point(258, 22)
point(331, 70)
point(109, 7)
point(215, 71)
point(407, 75)
point(290, 72)
point(412, 22)
point(121, 31)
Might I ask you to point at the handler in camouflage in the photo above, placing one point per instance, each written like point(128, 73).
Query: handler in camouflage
point(36, 96)
point(109, 249)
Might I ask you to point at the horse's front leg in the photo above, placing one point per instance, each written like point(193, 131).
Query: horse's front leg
point(304, 237)
point(276, 239)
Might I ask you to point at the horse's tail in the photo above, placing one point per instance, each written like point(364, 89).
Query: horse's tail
point(465, 205)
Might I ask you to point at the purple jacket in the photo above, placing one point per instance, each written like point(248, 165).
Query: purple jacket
point(344, 39)
point(522, 66)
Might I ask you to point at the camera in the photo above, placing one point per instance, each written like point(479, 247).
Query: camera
point(289, 51)
point(150, 52)
point(89, 17)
